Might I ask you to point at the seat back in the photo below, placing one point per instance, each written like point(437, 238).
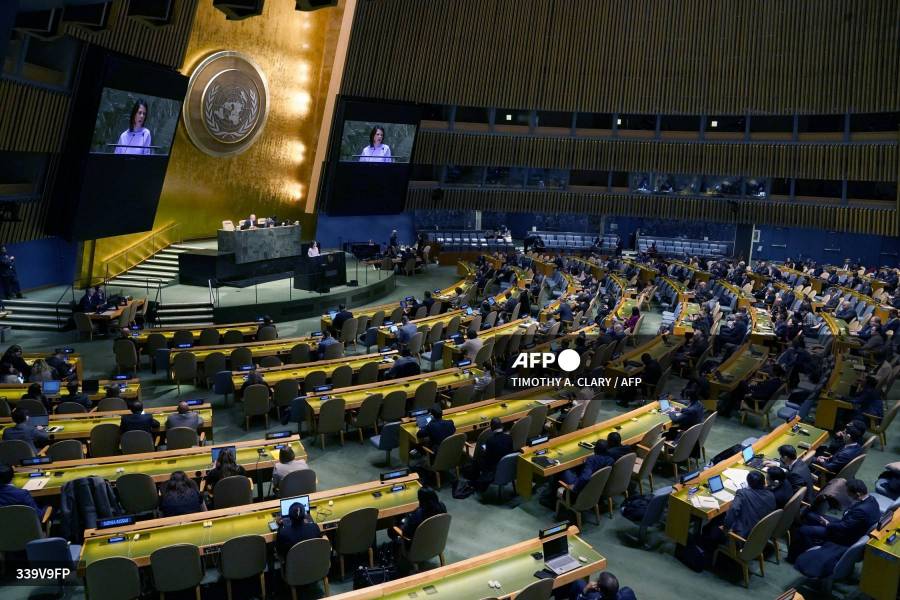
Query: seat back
point(66, 450)
point(430, 538)
point(137, 492)
point(850, 469)
point(213, 363)
point(591, 412)
point(348, 330)
point(463, 395)
point(285, 392)
point(789, 512)
point(333, 351)
point(591, 493)
point(519, 432)
point(686, 443)
point(367, 416)
point(236, 490)
point(760, 535)
point(390, 436)
point(368, 373)
point(232, 336)
point(267, 333)
point(541, 589)
point(256, 400)
point(209, 336)
point(244, 556)
point(181, 437)
point(32, 406)
point(240, 357)
point(307, 562)
point(104, 440)
point(125, 353)
point(181, 337)
point(506, 469)
point(707, 427)
point(331, 415)
point(656, 507)
point(538, 416)
point(13, 451)
point(393, 407)
point(111, 404)
point(136, 442)
point(114, 578)
point(314, 379)
point(449, 453)
point(356, 531)
point(267, 362)
point(297, 483)
point(648, 463)
point(572, 420)
point(376, 320)
point(425, 395)
point(342, 376)
point(20, 526)
point(184, 366)
point(621, 475)
point(846, 564)
point(415, 344)
point(176, 568)
point(300, 354)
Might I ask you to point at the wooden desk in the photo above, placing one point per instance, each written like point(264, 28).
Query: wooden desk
point(446, 379)
point(739, 367)
point(195, 462)
point(73, 359)
point(386, 336)
point(453, 354)
point(761, 328)
point(696, 273)
point(273, 375)
point(13, 392)
point(840, 331)
point(681, 510)
point(249, 519)
point(513, 566)
point(657, 348)
point(623, 309)
point(115, 312)
point(476, 417)
point(325, 322)
point(881, 563)
point(257, 349)
point(848, 371)
point(78, 426)
point(632, 426)
point(248, 330)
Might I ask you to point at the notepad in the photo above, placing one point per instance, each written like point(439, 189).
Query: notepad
point(731, 485)
point(704, 502)
point(36, 483)
point(736, 475)
point(724, 495)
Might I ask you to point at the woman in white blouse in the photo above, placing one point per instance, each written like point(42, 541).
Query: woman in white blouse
point(377, 150)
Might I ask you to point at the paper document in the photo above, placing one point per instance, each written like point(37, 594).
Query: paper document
point(704, 502)
point(736, 475)
point(36, 483)
point(723, 496)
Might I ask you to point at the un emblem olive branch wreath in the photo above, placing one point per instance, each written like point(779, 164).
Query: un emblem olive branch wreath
point(250, 99)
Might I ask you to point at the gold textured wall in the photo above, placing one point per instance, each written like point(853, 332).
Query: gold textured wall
point(295, 50)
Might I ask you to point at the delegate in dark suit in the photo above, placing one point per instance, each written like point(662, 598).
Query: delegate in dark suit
point(437, 429)
point(842, 457)
point(288, 535)
point(853, 524)
point(137, 421)
point(748, 508)
point(798, 476)
point(339, 319)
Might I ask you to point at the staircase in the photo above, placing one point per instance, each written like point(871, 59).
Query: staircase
point(38, 315)
point(190, 313)
point(159, 270)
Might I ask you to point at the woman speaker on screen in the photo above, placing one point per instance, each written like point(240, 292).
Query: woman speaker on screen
point(136, 139)
point(377, 150)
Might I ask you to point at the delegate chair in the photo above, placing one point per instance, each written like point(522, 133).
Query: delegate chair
point(356, 534)
point(182, 338)
point(84, 325)
point(66, 450)
point(34, 408)
point(233, 336)
point(306, 563)
point(313, 380)
point(104, 440)
point(300, 354)
point(538, 590)
point(208, 337)
point(267, 362)
point(789, 514)
point(619, 479)
point(155, 341)
point(266, 334)
point(367, 415)
point(20, 526)
point(256, 403)
point(331, 419)
point(126, 356)
point(753, 547)
point(643, 466)
point(448, 456)
point(240, 357)
point(425, 395)
point(297, 483)
point(115, 578)
point(136, 442)
point(236, 490)
point(505, 473)
point(178, 438)
point(681, 451)
point(368, 373)
point(387, 440)
point(242, 558)
point(137, 493)
point(588, 498)
point(519, 432)
point(70, 408)
point(342, 376)
point(184, 367)
point(13, 451)
point(214, 362)
point(428, 541)
point(285, 392)
point(653, 513)
point(112, 404)
point(176, 568)
point(393, 407)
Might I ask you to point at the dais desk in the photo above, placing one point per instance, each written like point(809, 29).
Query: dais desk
point(881, 563)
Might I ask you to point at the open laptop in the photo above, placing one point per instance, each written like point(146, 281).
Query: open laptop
point(51, 388)
point(557, 557)
point(394, 329)
point(717, 489)
point(422, 417)
point(286, 504)
point(750, 459)
point(216, 451)
point(665, 406)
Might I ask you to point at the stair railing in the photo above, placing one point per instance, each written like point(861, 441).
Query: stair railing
point(71, 289)
point(142, 249)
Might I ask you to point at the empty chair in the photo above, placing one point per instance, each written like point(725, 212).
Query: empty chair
point(240, 357)
point(591, 412)
point(181, 437)
point(20, 526)
point(415, 344)
point(369, 338)
point(266, 333)
point(462, 395)
point(84, 325)
point(66, 450)
point(356, 534)
point(126, 355)
point(267, 362)
point(314, 379)
point(429, 540)
point(212, 364)
point(393, 407)
point(789, 514)
point(209, 336)
point(256, 403)
point(387, 440)
point(589, 496)
point(571, 421)
point(5, 412)
point(306, 563)
point(111, 404)
point(285, 392)
point(367, 415)
point(619, 479)
point(654, 512)
point(519, 432)
point(34, 408)
point(155, 341)
point(137, 492)
point(236, 490)
point(368, 373)
point(681, 451)
point(13, 451)
point(644, 465)
point(376, 321)
point(300, 354)
point(176, 568)
point(448, 456)
point(182, 338)
point(333, 351)
point(704, 433)
point(244, 557)
point(435, 354)
point(348, 332)
point(506, 473)
point(542, 589)
point(114, 578)
point(297, 483)
point(342, 376)
point(538, 416)
point(233, 336)
point(184, 367)
point(104, 440)
point(425, 395)
point(753, 547)
point(331, 419)
point(137, 442)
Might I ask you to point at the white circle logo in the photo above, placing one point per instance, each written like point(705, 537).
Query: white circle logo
point(568, 360)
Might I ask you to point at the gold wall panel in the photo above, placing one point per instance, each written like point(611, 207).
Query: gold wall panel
point(795, 214)
point(634, 56)
point(295, 51)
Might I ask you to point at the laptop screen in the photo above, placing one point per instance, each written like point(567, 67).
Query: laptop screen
point(715, 484)
point(286, 504)
point(216, 451)
point(394, 329)
point(469, 311)
point(556, 547)
point(747, 453)
point(50, 387)
point(664, 405)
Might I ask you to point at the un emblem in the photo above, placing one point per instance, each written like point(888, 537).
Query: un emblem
point(226, 104)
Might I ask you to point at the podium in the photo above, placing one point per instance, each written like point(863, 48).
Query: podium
point(320, 273)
